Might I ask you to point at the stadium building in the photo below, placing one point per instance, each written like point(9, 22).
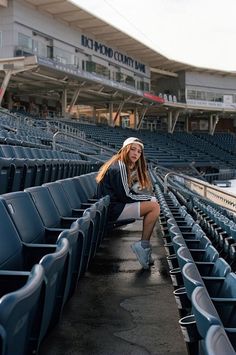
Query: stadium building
point(55, 56)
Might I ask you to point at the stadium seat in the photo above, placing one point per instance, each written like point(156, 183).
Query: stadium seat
point(49, 224)
point(217, 342)
point(204, 311)
point(21, 308)
point(21, 256)
point(7, 175)
point(86, 186)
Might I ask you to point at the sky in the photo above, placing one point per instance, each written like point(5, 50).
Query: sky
point(196, 32)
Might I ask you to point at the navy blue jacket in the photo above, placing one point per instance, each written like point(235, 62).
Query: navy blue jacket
point(115, 184)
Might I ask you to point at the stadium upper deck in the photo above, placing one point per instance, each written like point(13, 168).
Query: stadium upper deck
point(55, 55)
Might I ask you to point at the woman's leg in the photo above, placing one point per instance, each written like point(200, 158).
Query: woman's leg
point(150, 211)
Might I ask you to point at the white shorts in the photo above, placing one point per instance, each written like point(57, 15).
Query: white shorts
point(132, 210)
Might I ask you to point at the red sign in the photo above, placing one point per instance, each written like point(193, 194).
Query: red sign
point(155, 98)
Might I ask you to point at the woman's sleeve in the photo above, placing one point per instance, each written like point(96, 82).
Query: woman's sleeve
point(120, 185)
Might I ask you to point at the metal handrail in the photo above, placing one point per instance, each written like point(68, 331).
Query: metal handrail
point(206, 190)
point(83, 140)
point(80, 139)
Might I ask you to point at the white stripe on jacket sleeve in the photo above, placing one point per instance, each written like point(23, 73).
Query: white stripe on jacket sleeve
point(124, 180)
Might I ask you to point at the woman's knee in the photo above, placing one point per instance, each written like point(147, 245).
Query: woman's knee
point(150, 207)
point(156, 209)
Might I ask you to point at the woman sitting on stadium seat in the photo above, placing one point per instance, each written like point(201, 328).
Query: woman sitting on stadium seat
point(117, 178)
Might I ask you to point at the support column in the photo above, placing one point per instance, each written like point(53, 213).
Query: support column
point(10, 101)
point(95, 118)
point(211, 123)
point(110, 117)
point(4, 85)
point(74, 99)
point(169, 122)
point(64, 103)
point(142, 117)
point(214, 119)
point(174, 121)
point(187, 123)
point(135, 117)
point(118, 112)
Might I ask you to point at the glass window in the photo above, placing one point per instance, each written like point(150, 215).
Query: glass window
point(25, 41)
point(120, 77)
point(142, 85)
point(191, 94)
point(96, 68)
point(0, 39)
point(130, 80)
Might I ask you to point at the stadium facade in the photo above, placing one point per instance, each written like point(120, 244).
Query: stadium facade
point(54, 56)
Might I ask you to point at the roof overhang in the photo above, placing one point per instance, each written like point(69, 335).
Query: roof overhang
point(76, 17)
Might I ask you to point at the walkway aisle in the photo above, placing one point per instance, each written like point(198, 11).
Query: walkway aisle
point(120, 309)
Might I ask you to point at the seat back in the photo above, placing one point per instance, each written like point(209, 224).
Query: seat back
point(7, 170)
point(221, 268)
point(178, 242)
point(10, 243)
point(45, 206)
point(204, 311)
point(77, 236)
point(58, 277)
point(191, 278)
point(53, 258)
point(184, 256)
point(95, 223)
point(60, 198)
point(86, 185)
point(25, 216)
point(91, 240)
point(71, 192)
point(229, 288)
point(217, 342)
point(20, 315)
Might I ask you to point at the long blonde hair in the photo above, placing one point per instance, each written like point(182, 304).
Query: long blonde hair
point(140, 166)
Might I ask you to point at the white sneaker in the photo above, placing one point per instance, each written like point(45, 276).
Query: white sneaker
point(143, 255)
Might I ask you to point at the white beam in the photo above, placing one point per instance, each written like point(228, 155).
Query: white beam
point(163, 72)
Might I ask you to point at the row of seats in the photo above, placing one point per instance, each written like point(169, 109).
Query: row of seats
point(164, 148)
point(204, 284)
point(49, 235)
point(221, 230)
point(22, 167)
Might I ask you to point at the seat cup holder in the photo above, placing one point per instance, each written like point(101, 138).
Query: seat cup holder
point(169, 248)
point(182, 301)
point(190, 333)
point(172, 261)
point(176, 277)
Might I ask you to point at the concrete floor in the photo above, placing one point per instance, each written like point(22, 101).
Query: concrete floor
point(119, 308)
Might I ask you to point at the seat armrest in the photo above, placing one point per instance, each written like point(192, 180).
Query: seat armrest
point(86, 204)
point(93, 200)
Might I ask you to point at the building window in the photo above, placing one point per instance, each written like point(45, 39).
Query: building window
point(25, 42)
point(0, 39)
point(129, 80)
point(142, 85)
point(96, 68)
